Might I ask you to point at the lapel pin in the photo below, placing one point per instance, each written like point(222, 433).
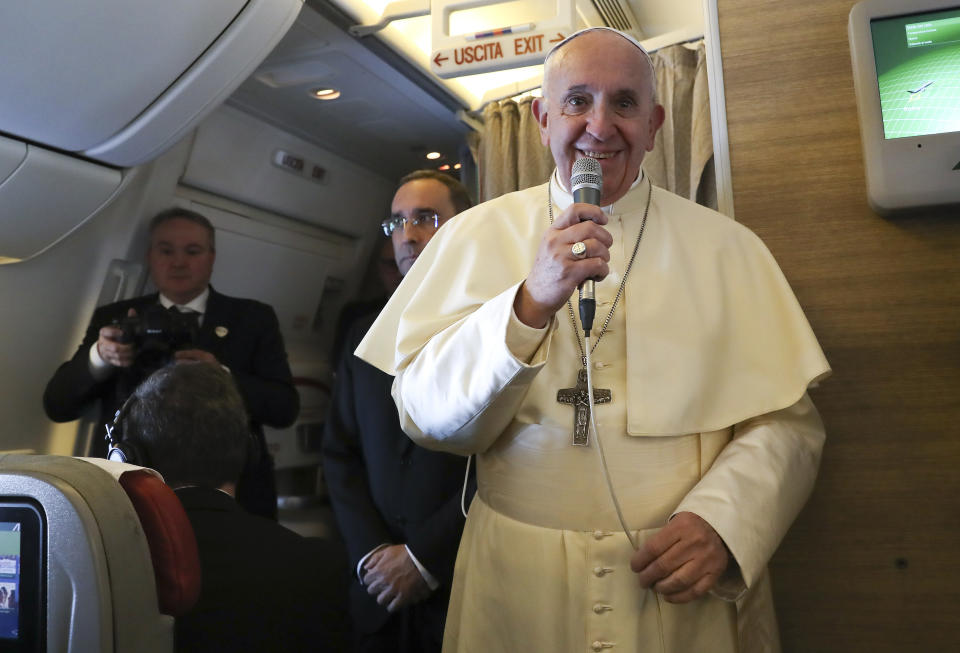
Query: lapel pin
point(221, 331)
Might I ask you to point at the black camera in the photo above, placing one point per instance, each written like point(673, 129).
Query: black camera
point(156, 333)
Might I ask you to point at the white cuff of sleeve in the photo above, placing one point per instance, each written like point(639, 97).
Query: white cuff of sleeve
point(432, 582)
point(359, 569)
point(523, 341)
point(730, 587)
point(99, 368)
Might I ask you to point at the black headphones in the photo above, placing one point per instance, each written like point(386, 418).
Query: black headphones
point(125, 450)
point(121, 449)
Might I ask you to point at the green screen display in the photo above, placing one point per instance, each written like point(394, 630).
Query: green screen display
point(918, 72)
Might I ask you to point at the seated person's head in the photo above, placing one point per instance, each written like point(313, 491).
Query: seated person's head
point(190, 422)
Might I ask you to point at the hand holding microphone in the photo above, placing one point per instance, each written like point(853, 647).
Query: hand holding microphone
point(586, 184)
point(557, 271)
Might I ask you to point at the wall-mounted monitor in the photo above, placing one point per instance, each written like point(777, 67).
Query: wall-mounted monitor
point(906, 72)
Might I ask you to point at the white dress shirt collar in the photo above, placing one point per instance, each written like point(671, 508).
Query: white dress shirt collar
point(197, 304)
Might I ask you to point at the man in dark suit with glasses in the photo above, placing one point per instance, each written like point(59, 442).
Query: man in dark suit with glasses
point(398, 505)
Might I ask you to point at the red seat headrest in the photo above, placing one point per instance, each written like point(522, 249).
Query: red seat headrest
point(173, 546)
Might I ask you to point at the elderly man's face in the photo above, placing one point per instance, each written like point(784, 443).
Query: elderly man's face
point(420, 196)
point(181, 259)
point(598, 104)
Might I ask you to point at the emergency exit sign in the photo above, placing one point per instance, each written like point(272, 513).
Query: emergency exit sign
point(482, 56)
point(510, 46)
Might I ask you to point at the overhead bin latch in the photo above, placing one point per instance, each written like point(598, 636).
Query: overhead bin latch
point(393, 11)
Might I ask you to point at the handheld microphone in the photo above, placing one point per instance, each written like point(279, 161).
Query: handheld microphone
point(586, 184)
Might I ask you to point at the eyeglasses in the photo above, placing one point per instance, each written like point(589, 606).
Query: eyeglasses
point(421, 217)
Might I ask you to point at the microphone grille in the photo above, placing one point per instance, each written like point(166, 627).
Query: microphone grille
point(586, 172)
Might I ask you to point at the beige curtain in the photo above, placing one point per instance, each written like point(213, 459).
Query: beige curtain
point(510, 157)
point(682, 157)
point(508, 153)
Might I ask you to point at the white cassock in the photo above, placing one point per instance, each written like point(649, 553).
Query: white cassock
point(708, 357)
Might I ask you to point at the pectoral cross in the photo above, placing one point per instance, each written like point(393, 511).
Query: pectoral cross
point(580, 400)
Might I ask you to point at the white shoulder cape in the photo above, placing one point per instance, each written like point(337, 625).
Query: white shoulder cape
point(716, 335)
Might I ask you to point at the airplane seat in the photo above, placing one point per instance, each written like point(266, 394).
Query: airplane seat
point(102, 555)
point(173, 547)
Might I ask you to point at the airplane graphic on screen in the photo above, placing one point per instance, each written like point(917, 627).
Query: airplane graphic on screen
point(919, 89)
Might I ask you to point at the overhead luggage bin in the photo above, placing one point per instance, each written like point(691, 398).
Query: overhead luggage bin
point(120, 82)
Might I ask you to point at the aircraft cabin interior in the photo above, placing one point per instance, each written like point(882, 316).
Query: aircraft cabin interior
point(288, 125)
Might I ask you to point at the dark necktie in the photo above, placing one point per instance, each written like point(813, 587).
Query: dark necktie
point(188, 317)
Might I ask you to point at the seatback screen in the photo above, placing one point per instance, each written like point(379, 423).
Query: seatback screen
point(9, 580)
point(918, 59)
point(22, 574)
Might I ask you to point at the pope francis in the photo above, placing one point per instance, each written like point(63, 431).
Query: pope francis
point(701, 359)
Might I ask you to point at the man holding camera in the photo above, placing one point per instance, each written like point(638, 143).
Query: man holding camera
point(240, 335)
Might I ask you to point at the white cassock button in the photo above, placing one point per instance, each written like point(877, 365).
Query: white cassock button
point(599, 572)
point(600, 608)
point(597, 646)
point(599, 535)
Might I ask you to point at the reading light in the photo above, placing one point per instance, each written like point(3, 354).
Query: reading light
point(456, 166)
point(325, 94)
point(444, 167)
point(433, 155)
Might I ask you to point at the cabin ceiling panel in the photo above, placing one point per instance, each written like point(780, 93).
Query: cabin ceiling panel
point(396, 121)
point(234, 156)
point(382, 121)
point(81, 188)
point(411, 38)
point(12, 154)
point(663, 17)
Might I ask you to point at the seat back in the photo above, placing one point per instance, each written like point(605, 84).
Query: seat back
point(118, 554)
point(173, 547)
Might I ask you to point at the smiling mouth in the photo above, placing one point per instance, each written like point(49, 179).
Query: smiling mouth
point(598, 155)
